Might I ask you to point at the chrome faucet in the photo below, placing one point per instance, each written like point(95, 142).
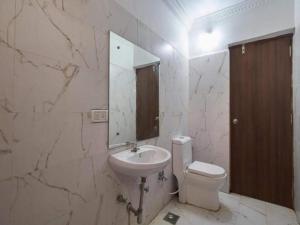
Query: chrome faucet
point(134, 147)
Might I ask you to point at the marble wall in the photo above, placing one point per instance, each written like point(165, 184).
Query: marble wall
point(209, 109)
point(54, 69)
point(296, 86)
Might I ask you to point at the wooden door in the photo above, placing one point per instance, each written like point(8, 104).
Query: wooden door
point(261, 120)
point(147, 99)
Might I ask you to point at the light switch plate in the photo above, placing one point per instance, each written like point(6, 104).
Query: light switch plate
point(99, 115)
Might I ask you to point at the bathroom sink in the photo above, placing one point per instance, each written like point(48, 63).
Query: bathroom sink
point(146, 161)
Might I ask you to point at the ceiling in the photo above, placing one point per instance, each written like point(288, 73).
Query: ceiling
point(190, 10)
point(199, 8)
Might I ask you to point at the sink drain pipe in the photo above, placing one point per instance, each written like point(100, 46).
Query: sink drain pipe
point(139, 211)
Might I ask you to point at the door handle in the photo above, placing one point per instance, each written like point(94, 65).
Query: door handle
point(235, 121)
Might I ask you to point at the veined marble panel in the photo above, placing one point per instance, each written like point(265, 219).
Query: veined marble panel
point(209, 109)
point(54, 70)
point(7, 114)
point(44, 29)
point(7, 25)
point(42, 140)
point(42, 84)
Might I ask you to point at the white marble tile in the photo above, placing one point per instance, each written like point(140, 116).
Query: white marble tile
point(128, 29)
point(7, 22)
point(7, 74)
point(75, 192)
point(67, 92)
point(209, 109)
point(42, 28)
point(231, 201)
point(254, 204)
point(57, 70)
point(43, 140)
point(32, 90)
point(9, 188)
point(6, 110)
point(92, 12)
point(232, 212)
point(192, 215)
point(21, 205)
point(278, 215)
point(249, 216)
point(6, 143)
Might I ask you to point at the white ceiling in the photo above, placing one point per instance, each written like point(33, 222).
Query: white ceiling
point(191, 10)
point(199, 8)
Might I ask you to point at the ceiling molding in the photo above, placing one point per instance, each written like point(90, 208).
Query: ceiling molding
point(236, 9)
point(178, 10)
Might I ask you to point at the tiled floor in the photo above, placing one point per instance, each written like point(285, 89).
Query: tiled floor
point(235, 210)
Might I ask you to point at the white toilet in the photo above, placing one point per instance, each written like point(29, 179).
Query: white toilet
point(199, 183)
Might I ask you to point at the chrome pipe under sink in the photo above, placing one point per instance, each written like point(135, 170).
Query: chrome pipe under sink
point(139, 211)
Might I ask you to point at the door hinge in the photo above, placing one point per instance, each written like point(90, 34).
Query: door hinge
point(292, 118)
point(243, 49)
point(154, 68)
point(291, 50)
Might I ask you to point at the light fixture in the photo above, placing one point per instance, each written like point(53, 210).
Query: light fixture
point(208, 41)
point(168, 48)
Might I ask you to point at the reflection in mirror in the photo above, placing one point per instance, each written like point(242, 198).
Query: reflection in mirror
point(133, 93)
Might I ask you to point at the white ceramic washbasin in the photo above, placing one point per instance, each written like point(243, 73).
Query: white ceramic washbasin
point(146, 161)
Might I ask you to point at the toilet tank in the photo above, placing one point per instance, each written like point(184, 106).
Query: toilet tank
point(182, 154)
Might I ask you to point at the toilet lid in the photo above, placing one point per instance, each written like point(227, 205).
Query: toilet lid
point(206, 169)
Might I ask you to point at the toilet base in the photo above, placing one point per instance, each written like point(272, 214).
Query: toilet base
point(201, 191)
point(202, 198)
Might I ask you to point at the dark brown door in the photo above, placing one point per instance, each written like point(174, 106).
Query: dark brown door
point(261, 120)
point(147, 101)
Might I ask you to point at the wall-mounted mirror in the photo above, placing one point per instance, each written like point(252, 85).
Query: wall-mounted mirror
point(133, 93)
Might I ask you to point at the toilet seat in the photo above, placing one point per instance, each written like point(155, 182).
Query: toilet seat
point(206, 169)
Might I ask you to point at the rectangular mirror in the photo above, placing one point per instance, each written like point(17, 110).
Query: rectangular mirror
point(133, 93)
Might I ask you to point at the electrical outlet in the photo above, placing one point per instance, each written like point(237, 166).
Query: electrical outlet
point(99, 116)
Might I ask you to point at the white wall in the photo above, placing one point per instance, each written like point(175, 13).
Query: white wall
point(297, 107)
point(272, 16)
